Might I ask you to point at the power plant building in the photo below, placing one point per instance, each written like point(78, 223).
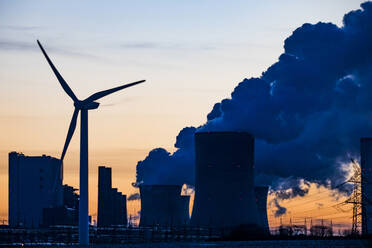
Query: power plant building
point(163, 205)
point(35, 183)
point(224, 185)
point(261, 200)
point(366, 174)
point(67, 214)
point(112, 205)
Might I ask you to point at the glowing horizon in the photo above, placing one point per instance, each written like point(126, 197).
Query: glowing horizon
point(318, 204)
point(192, 55)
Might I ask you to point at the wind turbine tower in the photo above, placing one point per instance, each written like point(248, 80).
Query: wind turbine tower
point(82, 106)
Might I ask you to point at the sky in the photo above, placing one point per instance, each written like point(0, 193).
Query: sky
point(191, 53)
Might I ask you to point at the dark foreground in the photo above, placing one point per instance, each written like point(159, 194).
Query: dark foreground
point(242, 244)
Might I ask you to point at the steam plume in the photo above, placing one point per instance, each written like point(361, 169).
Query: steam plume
point(134, 197)
point(307, 111)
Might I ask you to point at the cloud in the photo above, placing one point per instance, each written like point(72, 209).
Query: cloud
point(141, 45)
point(20, 28)
point(290, 188)
point(13, 45)
point(134, 197)
point(161, 167)
point(166, 46)
point(307, 111)
point(17, 45)
point(280, 210)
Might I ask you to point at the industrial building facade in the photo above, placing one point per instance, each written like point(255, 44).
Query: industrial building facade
point(224, 190)
point(67, 214)
point(112, 205)
point(35, 183)
point(163, 205)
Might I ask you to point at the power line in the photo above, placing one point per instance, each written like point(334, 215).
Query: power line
point(323, 208)
point(309, 201)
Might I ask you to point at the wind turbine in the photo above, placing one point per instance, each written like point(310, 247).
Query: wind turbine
point(83, 107)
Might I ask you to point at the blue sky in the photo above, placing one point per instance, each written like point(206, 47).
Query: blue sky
point(192, 54)
point(185, 49)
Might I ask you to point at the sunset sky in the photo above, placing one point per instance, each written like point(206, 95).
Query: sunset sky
point(192, 54)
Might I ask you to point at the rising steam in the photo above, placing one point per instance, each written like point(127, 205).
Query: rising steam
point(307, 111)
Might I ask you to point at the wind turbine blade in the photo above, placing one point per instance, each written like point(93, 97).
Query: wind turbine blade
point(104, 93)
point(70, 132)
point(58, 75)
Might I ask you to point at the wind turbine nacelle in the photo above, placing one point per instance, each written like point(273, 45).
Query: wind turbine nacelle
point(92, 105)
point(82, 105)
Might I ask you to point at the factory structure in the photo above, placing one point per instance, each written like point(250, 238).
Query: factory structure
point(225, 194)
point(224, 188)
point(37, 197)
point(112, 205)
point(163, 205)
point(67, 214)
point(35, 183)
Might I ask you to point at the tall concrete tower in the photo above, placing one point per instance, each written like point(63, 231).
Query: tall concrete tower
point(35, 183)
point(366, 169)
point(112, 205)
point(224, 190)
point(163, 205)
point(261, 200)
point(104, 210)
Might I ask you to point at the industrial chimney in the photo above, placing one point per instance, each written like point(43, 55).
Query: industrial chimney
point(224, 190)
point(112, 205)
point(261, 200)
point(366, 169)
point(163, 205)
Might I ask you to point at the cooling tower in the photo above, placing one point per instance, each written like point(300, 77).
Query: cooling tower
point(184, 209)
point(366, 169)
point(261, 200)
point(162, 205)
point(224, 191)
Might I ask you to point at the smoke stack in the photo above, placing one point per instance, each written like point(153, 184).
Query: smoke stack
point(163, 205)
point(112, 205)
point(224, 191)
point(366, 169)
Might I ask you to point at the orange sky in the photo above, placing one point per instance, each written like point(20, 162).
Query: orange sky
point(318, 204)
point(192, 55)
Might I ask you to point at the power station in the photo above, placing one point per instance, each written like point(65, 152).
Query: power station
point(163, 205)
point(112, 205)
point(35, 183)
point(224, 188)
point(225, 195)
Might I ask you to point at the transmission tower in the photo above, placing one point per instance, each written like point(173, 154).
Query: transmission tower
point(356, 197)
